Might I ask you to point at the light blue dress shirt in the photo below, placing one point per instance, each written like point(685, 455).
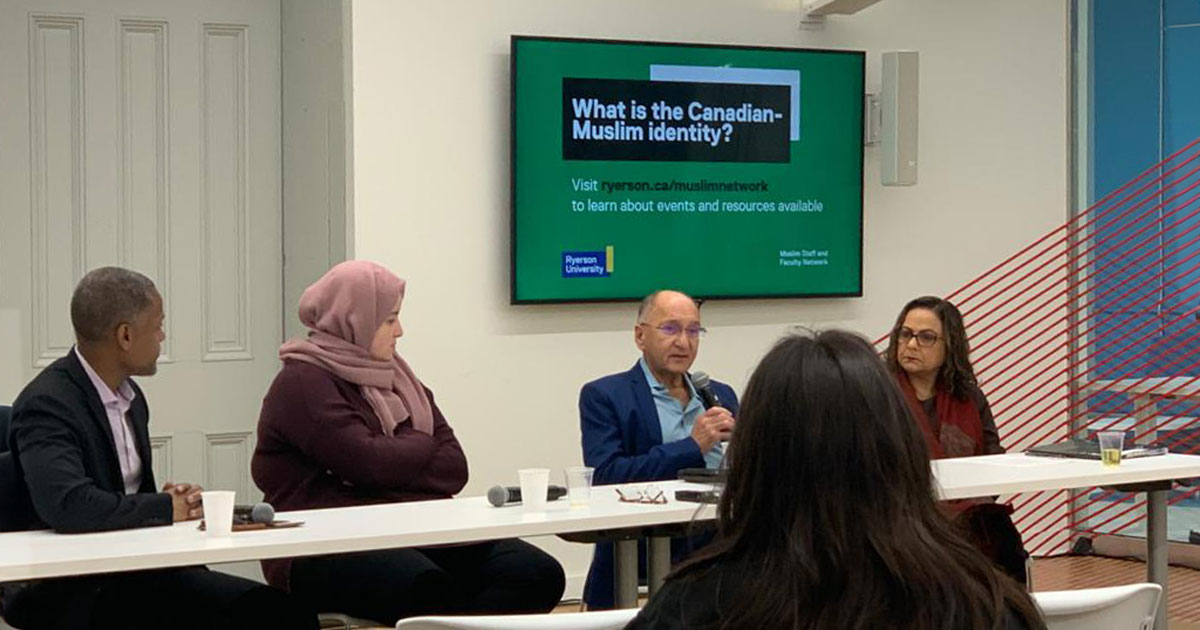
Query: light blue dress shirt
point(677, 420)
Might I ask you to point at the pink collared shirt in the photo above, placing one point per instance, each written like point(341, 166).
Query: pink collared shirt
point(116, 405)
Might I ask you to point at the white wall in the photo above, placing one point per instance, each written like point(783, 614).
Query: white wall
point(431, 155)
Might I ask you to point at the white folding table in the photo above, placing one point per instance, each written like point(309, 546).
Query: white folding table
point(990, 475)
point(43, 554)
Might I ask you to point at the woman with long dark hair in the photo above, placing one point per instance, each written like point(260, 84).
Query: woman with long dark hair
point(829, 518)
point(929, 354)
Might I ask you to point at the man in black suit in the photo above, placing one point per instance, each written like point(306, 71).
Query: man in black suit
point(80, 437)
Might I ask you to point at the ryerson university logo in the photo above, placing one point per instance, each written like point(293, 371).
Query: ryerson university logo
point(597, 264)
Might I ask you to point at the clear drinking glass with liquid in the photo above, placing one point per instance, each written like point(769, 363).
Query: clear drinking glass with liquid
point(1111, 444)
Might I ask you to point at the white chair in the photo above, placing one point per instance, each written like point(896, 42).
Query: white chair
point(1131, 607)
point(599, 620)
point(338, 621)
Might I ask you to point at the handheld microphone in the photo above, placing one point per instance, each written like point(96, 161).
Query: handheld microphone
point(257, 513)
point(703, 386)
point(504, 495)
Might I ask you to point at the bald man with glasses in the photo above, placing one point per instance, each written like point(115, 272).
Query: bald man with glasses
point(648, 423)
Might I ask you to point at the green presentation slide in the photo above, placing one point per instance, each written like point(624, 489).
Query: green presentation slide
point(724, 172)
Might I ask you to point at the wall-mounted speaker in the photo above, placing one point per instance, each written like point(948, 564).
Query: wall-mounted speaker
point(898, 163)
point(834, 7)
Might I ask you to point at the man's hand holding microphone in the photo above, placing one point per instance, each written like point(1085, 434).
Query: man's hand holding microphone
point(715, 425)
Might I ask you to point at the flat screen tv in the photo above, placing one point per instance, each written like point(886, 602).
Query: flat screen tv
point(721, 171)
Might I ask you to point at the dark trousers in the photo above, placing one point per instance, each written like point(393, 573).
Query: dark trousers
point(498, 577)
point(599, 589)
point(189, 598)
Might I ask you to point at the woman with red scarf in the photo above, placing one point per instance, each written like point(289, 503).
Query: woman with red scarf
point(928, 353)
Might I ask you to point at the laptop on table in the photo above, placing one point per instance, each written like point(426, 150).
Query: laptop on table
point(1079, 448)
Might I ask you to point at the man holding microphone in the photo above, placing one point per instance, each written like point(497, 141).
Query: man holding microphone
point(649, 422)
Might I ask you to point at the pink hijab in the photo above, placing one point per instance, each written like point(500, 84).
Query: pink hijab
point(342, 311)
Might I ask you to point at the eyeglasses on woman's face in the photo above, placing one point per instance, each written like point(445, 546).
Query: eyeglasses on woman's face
point(925, 338)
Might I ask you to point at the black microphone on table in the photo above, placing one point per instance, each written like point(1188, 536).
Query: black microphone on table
point(703, 386)
point(257, 513)
point(504, 495)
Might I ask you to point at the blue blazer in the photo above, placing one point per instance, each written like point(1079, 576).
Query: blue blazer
point(622, 441)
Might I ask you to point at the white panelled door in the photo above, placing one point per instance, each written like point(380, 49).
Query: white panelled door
point(146, 133)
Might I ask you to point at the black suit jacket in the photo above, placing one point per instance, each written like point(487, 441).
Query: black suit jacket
point(63, 446)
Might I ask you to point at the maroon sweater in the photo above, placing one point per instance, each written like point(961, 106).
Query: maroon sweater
point(320, 445)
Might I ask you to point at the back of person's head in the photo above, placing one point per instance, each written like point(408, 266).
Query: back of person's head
point(106, 298)
point(829, 512)
point(956, 374)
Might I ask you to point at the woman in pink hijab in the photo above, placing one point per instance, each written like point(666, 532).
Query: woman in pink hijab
point(347, 422)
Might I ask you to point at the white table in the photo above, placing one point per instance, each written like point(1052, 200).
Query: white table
point(43, 554)
point(1006, 474)
point(990, 475)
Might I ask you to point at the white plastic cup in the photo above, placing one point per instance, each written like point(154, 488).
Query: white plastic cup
point(535, 484)
point(579, 484)
point(218, 512)
point(1111, 445)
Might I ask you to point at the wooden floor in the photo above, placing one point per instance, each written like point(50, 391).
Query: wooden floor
point(1072, 572)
